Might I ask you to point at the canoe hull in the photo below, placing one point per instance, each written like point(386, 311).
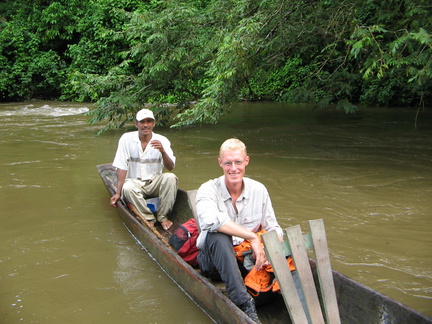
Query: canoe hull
point(216, 305)
point(357, 303)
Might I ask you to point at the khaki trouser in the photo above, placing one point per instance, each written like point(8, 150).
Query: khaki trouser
point(163, 186)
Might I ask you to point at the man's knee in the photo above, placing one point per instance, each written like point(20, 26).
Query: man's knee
point(220, 241)
point(129, 188)
point(170, 179)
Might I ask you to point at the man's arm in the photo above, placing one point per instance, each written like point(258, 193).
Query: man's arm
point(167, 161)
point(233, 229)
point(121, 177)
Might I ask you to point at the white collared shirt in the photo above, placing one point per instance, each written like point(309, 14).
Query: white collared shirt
point(144, 165)
point(214, 208)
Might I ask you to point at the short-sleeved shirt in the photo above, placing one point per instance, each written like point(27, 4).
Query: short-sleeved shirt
point(143, 165)
point(215, 208)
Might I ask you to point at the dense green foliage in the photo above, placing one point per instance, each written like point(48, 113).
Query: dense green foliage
point(212, 53)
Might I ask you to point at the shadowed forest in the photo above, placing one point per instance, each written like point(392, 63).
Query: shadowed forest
point(196, 58)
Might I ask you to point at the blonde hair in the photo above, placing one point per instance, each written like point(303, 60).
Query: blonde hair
point(232, 144)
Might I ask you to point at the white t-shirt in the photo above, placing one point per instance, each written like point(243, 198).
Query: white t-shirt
point(143, 165)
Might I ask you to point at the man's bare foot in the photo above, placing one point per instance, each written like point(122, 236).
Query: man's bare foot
point(166, 225)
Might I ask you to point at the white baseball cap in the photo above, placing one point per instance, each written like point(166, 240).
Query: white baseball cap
point(143, 114)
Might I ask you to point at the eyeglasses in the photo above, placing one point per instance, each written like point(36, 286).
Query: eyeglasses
point(229, 164)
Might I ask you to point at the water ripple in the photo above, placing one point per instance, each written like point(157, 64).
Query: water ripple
point(45, 110)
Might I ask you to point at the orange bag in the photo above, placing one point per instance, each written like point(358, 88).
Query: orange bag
point(263, 280)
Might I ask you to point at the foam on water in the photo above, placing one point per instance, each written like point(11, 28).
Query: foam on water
point(45, 110)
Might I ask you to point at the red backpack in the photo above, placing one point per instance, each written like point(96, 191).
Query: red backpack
point(183, 240)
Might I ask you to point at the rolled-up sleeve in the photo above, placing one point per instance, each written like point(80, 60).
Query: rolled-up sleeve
point(211, 211)
point(167, 147)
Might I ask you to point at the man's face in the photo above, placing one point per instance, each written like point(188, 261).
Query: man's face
point(145, 126)
point(233, 163)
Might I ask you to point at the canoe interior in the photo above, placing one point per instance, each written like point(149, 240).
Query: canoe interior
point(357, 303)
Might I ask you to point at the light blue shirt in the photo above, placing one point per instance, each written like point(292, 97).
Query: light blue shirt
point(215, 208)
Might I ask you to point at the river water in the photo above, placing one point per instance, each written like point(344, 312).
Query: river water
point(65, 256)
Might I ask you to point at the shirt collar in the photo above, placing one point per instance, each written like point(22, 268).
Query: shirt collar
point(137, 139)
point(224, 191)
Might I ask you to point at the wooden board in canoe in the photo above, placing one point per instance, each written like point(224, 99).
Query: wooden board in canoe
point(357, 303)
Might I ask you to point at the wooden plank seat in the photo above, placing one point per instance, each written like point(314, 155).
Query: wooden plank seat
point(297, 245)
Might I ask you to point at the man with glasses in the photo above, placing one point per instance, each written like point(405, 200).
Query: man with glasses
point(231, 209)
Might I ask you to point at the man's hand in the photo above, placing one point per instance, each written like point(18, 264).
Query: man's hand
point(114, 199)
point(168, 163)
point(157, 145)
point(259, 253)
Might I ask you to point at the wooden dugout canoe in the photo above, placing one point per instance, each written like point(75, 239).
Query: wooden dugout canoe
point(357, 303)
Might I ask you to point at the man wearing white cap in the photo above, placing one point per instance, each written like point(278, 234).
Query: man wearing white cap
point(140, 159)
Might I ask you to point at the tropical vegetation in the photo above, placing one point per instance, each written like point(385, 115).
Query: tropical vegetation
point(195, 58)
